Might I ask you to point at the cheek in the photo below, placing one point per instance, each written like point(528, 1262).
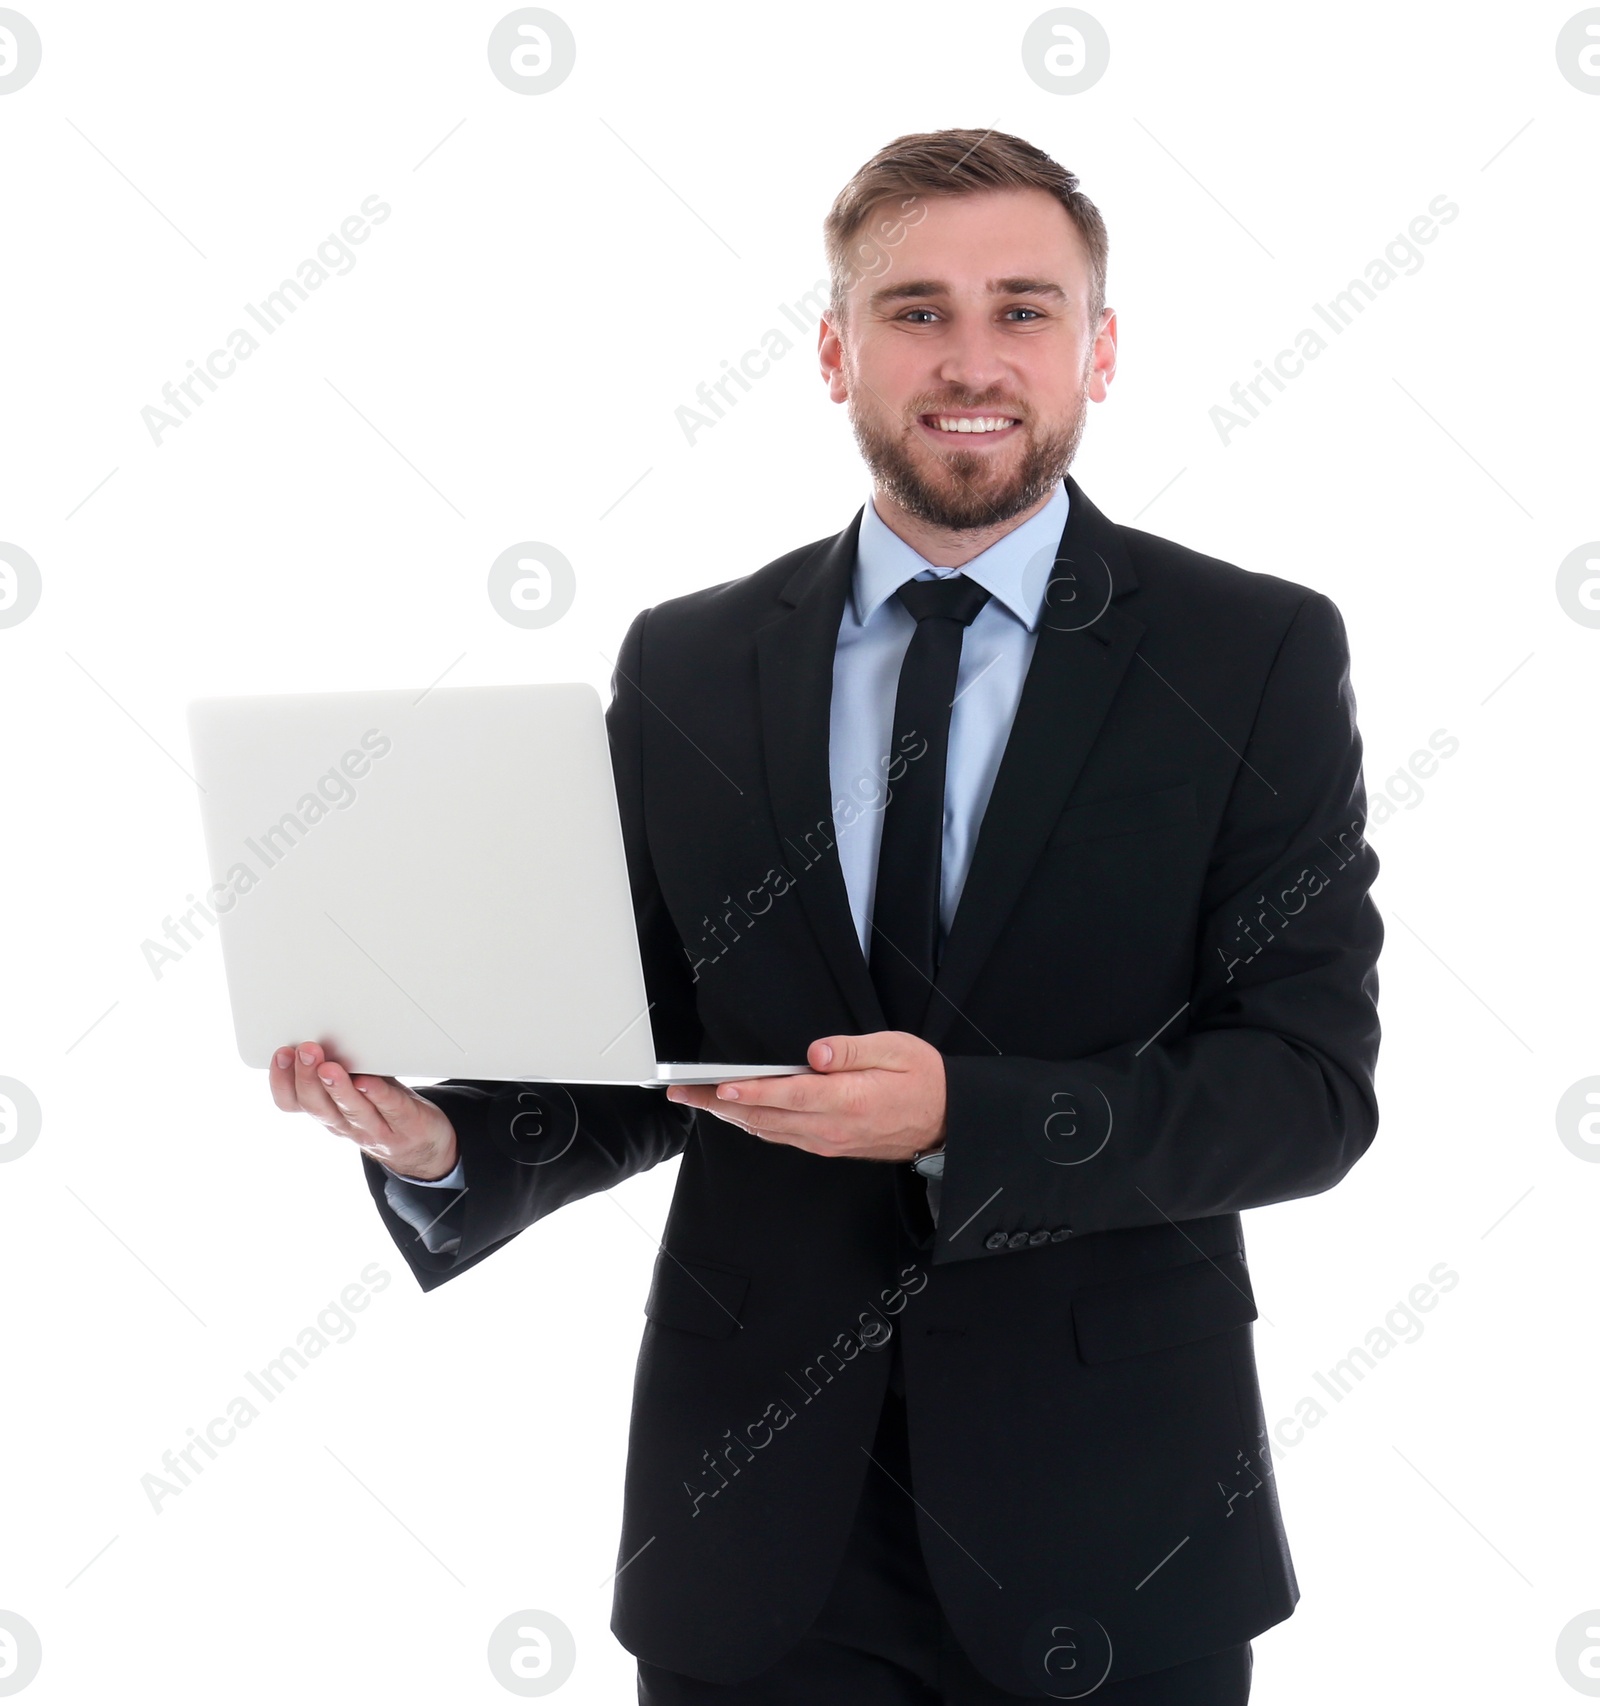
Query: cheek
point(890, 372)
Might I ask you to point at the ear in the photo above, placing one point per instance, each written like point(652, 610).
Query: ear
point(830, 358)
point(1103, 357)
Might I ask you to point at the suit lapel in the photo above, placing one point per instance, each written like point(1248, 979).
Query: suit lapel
point(795, 661)
point(1085, 642)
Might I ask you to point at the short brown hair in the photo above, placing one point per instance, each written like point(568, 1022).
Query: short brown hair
point(952, 162)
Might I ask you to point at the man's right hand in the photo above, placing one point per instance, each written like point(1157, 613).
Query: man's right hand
point(399, 1128)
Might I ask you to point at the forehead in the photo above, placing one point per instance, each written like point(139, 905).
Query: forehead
point(970, 242)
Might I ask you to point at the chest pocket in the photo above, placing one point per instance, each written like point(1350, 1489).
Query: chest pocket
point(1132, 813)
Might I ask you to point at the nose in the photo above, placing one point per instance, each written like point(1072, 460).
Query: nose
point(971, 362)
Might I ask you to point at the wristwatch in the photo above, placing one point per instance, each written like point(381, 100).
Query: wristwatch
point(929, 1166)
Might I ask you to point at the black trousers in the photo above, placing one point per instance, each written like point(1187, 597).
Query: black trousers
point(882, 1639)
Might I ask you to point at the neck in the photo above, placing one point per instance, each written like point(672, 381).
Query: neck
point(947, 547)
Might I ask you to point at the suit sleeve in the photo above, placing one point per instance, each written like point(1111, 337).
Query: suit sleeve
point(1261, 1090)
point(424, 1205)
point(529, 1147)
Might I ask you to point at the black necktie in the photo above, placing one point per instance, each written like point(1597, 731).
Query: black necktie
point(905, 908)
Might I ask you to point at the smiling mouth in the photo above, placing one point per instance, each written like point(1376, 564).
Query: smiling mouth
point(969, 426)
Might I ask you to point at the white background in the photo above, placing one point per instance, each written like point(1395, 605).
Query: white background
point(503, 363)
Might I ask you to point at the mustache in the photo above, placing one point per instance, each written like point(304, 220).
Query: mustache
point(989, 403)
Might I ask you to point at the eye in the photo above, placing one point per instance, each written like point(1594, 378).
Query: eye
point(1021, 310)
point(909, 311)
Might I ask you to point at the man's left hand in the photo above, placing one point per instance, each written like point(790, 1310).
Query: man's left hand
point(879, 1097)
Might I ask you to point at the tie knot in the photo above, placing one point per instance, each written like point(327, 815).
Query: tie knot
point(955, 597)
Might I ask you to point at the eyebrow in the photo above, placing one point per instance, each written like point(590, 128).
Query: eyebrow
point(920, 287)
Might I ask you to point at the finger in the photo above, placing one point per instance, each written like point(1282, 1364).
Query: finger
point(391, 1099)
point(396, 1109)
point(856, 1054)
point(819, 1139)
point(280, 1077)
point(309, 1063)
point(706, 1098)
point(800, 1105)
point(812, 1092)
point(820, 1133)
point(807, 1130)
point(811, 1142)
point(703, 1097)
point(371, 1129)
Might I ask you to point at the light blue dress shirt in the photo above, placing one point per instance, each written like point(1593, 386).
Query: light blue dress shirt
point(995, 654)
point(874, 632)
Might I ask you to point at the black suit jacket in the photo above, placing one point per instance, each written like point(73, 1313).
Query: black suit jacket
point(1157, 1008)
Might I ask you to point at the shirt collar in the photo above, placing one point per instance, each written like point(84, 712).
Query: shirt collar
point(885, 562)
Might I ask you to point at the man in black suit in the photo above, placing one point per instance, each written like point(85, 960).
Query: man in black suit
point(947, 1390)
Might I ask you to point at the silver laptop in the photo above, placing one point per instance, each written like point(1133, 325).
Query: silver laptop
point(431, 884)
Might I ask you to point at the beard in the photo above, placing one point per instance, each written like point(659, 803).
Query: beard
point(958, 489)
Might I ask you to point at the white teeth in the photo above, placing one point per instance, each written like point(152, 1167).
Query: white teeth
point(983, 423)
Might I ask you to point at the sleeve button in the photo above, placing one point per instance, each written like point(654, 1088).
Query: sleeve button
point(995, 1241)
point(1017, 1240)
point(1040, 1237)
point(1060, 1234)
